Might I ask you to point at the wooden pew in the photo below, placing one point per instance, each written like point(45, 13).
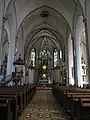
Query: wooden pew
point(27, 91)
point(13, 92)
point(18, 96)
point(11, 106)
point(5, 110)
point(69, 101)
point(69, 98)
point(75, 102)
point(83, 109)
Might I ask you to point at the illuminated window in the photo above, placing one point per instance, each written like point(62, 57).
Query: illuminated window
point(33, 57)
point(55, 57)
point(60, 54)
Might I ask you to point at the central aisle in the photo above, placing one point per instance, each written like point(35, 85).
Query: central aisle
point(43, 107)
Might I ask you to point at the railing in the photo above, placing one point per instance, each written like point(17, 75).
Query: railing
point(1, 76)
point(5, 80)
point(43, 82)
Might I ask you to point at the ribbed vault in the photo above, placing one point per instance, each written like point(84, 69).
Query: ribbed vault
point(34, 27)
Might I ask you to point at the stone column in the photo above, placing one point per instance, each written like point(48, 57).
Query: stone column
point(70, 60)
point(2, 22)
point(31, 76)
point(10, 66)
point(36, 66)
point(78, 37)
point(20, 46)
point(66, 62)
point(87, 30)
point(74, 62)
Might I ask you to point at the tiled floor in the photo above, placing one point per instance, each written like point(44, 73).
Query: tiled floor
point(43, 107)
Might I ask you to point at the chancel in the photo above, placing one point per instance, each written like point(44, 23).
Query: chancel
point(44, 60)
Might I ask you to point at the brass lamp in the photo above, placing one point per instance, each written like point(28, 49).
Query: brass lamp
point(44, 67)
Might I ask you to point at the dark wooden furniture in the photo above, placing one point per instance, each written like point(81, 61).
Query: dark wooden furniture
point(15, 99)
point(75, 101)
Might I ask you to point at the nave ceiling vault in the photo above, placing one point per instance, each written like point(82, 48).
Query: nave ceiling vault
point(48, 33)
point(28, 18)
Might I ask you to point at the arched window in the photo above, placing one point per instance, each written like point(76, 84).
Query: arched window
point(60, 54)
point(33, 57)
point(55, 57)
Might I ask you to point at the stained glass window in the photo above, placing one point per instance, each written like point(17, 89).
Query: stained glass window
point(60, 54)
point(33, 57)
point(55, 57)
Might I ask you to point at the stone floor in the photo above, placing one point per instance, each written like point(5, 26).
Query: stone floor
point(43, 107)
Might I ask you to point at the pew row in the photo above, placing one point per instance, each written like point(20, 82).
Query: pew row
point(75, 101)
point(13, 100)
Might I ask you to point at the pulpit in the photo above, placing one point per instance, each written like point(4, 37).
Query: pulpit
point(19, 65)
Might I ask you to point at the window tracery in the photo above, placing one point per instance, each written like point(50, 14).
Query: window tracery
point(60, 54)
point(55, 57)
point(33, 57)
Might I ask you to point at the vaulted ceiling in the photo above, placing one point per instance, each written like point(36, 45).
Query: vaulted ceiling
point(35, 26)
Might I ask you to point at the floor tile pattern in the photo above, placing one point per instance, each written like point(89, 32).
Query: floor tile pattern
point(43, 107)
